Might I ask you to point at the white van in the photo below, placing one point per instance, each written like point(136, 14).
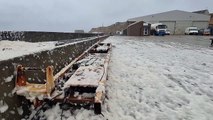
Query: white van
point(191, 31)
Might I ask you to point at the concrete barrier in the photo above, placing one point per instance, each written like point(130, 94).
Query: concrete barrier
point(33, 36)
point(10, 105)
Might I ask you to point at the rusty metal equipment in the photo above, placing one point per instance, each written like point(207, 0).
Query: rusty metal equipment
point(211, 42)
point(81, 81)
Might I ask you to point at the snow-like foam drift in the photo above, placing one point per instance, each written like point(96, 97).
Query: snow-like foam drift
point(153, 80)
point(11, 49)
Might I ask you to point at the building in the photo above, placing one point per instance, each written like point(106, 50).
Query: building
point(177, 21)
point(135, 29)
point(211, 20)
point(205, 12)
point(138, 29)
point(211, 23)
point(146, 29)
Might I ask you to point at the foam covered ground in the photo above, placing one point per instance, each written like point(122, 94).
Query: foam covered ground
point(12, 49)
point(151, 80)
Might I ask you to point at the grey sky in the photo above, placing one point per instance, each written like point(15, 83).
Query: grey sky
point(68, 15)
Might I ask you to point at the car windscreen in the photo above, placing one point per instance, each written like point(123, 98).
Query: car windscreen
point(161, 27)
point(207, 30)
point(193, 29)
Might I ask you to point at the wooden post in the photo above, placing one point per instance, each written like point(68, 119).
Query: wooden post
point(50, 80)
point(20, 77)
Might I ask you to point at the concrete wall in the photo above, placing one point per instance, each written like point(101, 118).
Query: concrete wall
point(32, 36)
point(58, 57)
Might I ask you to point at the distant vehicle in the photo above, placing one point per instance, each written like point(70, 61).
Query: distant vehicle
point(191, 31)
point(158, 29)
point(204, 31)
point(79, 31)
point(119, 33)
point(207, 31)
point(167, 32)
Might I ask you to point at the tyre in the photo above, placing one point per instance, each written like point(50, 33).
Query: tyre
point(97, 108)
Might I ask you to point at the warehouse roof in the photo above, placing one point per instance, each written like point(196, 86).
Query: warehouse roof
point(205, 12)
point(174, 15)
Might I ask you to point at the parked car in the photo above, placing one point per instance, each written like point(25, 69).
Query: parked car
point(211, 30)
point(191, 31)
point(167, 32)
point(204, 31)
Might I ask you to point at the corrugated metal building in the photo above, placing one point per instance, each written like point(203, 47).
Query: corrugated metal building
point(205, 12)
point(211, 20)
point(211, 24)
point(176, 20)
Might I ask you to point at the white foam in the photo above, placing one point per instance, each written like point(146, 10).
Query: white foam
point(149, 80)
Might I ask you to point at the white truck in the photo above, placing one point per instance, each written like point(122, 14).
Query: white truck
point(158, 29)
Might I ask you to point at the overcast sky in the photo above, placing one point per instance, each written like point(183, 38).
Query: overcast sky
point(68, 15)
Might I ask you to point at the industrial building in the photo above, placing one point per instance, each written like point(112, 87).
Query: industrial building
point(177, 21)
point(205, 12)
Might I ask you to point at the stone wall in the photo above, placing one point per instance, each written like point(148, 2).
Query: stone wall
point(32, 36)
point(58, 57)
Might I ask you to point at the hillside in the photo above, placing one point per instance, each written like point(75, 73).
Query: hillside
point(112, 29)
